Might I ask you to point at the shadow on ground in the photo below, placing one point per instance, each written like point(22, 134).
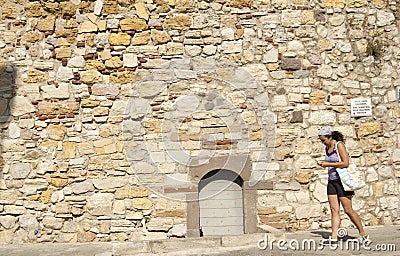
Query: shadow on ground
point(327, 234)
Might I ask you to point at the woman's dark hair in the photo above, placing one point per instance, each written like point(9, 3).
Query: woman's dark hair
point(338, 136)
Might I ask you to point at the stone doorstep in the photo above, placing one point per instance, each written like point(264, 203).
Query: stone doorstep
point(184, 244)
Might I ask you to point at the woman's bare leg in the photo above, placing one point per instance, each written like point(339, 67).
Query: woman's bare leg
point(335, 214)
point(354, 217)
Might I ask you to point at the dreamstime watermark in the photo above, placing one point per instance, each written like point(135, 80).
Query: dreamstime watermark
point(343, 243)
point(197, 114)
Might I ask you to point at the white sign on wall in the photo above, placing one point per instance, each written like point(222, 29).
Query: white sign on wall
point(361, 107)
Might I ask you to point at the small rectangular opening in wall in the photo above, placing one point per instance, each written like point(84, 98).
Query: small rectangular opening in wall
point(213, 126)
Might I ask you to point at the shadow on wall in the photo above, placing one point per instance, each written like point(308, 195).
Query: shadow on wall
point(7, 91)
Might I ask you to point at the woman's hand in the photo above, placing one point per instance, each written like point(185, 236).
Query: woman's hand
point(323, 164)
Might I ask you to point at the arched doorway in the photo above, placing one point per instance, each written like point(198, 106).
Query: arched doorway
point(241, 166)
point(221, 203)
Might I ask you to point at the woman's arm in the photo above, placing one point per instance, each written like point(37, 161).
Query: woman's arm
point(344, 156)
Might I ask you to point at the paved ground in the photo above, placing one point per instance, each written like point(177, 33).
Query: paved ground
point(385, 241)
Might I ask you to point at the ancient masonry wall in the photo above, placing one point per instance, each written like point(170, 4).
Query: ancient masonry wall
point(92, 90)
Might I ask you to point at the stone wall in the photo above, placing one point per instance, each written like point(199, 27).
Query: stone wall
point(110, 103)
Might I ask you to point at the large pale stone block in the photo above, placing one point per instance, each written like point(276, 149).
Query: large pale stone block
point(82, 187)
point(159, 224)
point(76, 62)
point(110, 183)
point(322, 117)
point(320, 192)
point(8, 222)
point(52, 222)
point(325, 71)
point(130, 60)
point(100, 204)
point(8, 197)
point(52, 92)
point(14, 131)
point(20, 105)
point(308, 211)
point(20, 170)
point(88, 27)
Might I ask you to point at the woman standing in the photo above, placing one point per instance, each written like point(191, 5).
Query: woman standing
point(336, 193)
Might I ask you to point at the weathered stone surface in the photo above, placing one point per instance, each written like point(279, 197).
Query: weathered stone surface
point(91, 76)
point(88, 90)
point(58, 182)
point(8, 222)
point(159, 224)
point(335, 3)
point(114, 62)
point(110, 183)
point(28, 222)
point(69, 149)
point(14, 131)
point(323, 117)
point(307, 211)
point(46, 24)
point(369, 128)
point(142, 204)
point(52, 222)
point(120, 39)
point(87, 27)
point(45, 197)
point(56, 132)
point(325, 71)
point(9, 12)
point(100, 204)
point(63, 52)
point(20, 105)
point(59, 92)
point(271, 55)
point(123, 77)
point(290, 64)
point(82, 187)
point(141, 38)
point(8, 197)
point(58, 108)
point(20, 170)
point(160, 37)
point(317, 97)
point(6, 236)
point(130, 193)
point(297, 117)
point(357, 3)
point(180, 22)
point(325, 45)
point(103, 89)
point(130, 60)
point(142, 11)
point(133, 24)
